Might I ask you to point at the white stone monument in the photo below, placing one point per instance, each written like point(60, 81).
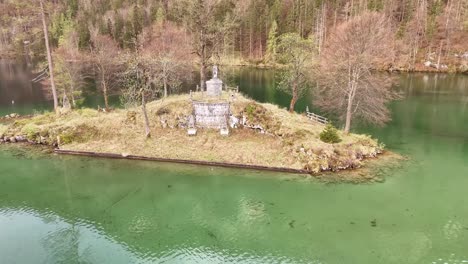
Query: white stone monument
point(214, 86)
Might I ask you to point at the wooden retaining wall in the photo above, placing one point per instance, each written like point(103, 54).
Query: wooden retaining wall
point(181, 161)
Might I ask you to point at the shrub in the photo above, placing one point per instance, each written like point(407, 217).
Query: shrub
point(30, 131)
point(163, 111)
point(330, 134)
point(258, 115)
point(366, 140)
point(80, 133)
point(67, 138)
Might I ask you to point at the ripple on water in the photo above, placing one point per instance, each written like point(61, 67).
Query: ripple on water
point(452, 259)
point(188, 254)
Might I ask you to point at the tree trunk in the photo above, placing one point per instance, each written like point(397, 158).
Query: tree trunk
point(438, 57)
point(72, 95)
point(203, 61)
point(49, 59)
point(202, 76)
point(166, 8)
point(165, 87)
point(349, 113)
point(250, 43)
point(145, 114)
point(104, 91)
point(295, 96)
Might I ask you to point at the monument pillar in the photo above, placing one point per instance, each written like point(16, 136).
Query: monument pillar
point(214, 86)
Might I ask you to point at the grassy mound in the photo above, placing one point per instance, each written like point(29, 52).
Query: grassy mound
point(285, 139)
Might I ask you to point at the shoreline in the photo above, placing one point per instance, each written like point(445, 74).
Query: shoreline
point(180, 161)
point(269, 138)
point(419, 68)
point(372, 172)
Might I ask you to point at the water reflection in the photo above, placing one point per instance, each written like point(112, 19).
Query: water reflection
point(107, 211)
point(17, 92)
point(49, 238)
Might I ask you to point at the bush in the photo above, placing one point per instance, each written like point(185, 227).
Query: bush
point(66, 138)
point(163, 111)
point(31, 131)
point(330, 135)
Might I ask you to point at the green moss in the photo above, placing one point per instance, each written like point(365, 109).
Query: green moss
point(81, 133)
point(250, 110)
point(259, 115)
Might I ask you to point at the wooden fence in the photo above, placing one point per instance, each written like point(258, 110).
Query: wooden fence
point(316, 118)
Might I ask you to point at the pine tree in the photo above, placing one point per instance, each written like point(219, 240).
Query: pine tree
point(119, 29)
point(84, 35)
point(110, 29)
point(129, 36)
point(271, 43)
point(72, 7)
point(137, 20)
point(103, 29)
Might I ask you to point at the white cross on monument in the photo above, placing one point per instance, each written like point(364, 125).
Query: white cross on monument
point(215, 72)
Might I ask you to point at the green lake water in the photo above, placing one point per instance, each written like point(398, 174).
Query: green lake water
point(59, 209)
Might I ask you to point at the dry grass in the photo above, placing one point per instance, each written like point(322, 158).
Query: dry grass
point(291, 140)
point(3, 129)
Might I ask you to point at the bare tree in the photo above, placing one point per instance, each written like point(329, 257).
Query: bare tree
point(105, 53)
point(71, 67)
point(165, 54)
point(321, 26)
point(49, 58)
point(298, 54)
point(347, 85)
point(138, 85)
point(417, 31)
point(206, 29)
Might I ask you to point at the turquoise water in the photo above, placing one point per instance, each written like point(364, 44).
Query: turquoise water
point(58, 209)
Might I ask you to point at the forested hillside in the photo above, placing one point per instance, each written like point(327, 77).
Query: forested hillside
point(239, 31)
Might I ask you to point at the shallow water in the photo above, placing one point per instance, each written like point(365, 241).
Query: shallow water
point(57, 209)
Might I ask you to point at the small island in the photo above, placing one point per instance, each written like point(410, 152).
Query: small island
point(215, 127)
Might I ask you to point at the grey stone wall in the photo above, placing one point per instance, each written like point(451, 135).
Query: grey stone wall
point(211, 115)
point(214, 87)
